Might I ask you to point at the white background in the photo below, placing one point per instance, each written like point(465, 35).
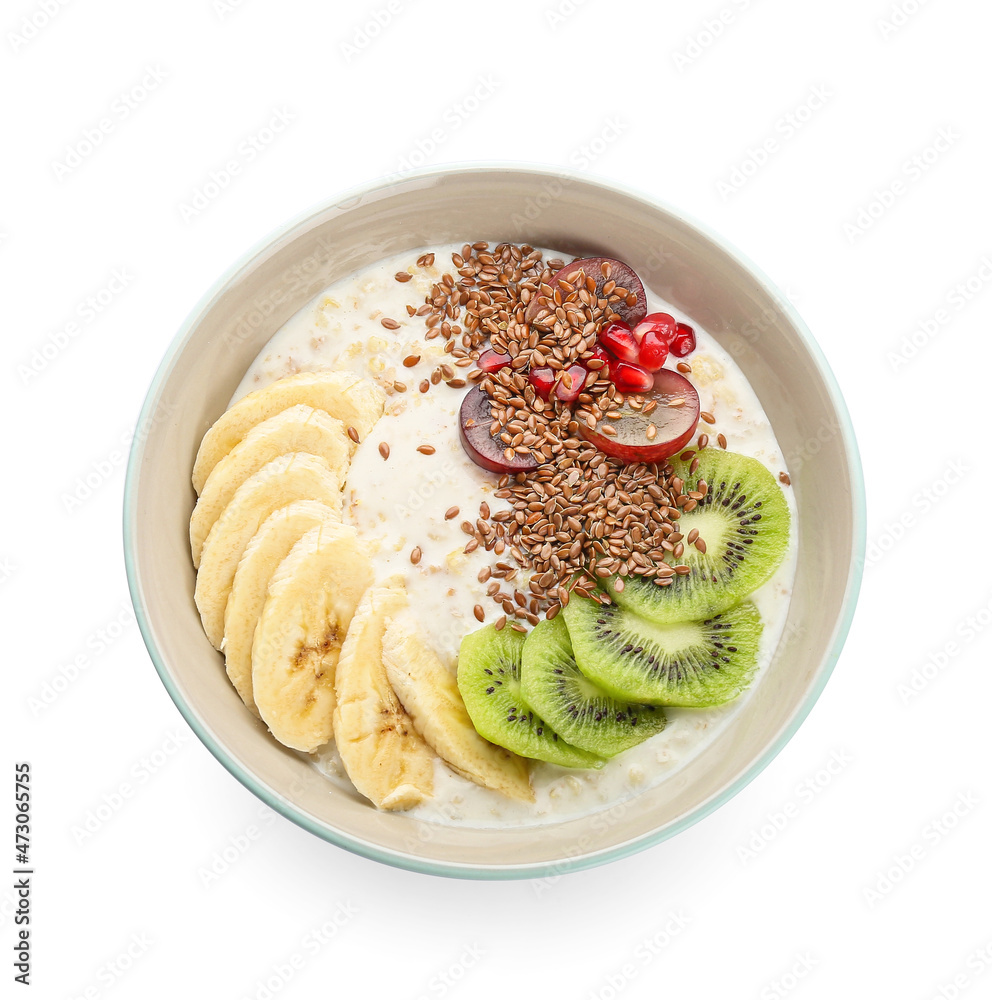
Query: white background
point(659, 100)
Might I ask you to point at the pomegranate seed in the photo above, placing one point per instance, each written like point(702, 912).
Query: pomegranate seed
point(598, 354)
point(629, 377)
point(618, 338)
point(662, 323)
point(493, 361)
point(654, 351)
point(685, 340)
point(576, 374)
point(543, 380)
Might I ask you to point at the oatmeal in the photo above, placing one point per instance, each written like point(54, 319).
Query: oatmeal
point(423, 511)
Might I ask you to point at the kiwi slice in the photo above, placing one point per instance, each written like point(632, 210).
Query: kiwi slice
point(580, 712)
point(690, 664)
point(743, 521)
point(489, 682)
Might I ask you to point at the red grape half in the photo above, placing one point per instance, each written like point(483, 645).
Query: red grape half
point(674, 420)
point(593, 267)
point(474, 426)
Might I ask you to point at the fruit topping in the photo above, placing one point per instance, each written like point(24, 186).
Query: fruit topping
point(653, 351)
point(743, 517)
point(493, 361)
point(543, 381)
point(629, 377)
point(619, 340)
point(430, 695)
point(579, 710)
point(608, 280)
point(475, 427)
point(489, 681)
point(684, 341)
point(654, 335)
point(691, 664)
point(571, 382)
point(662, 324)
point(651, 427)
point(598, 358)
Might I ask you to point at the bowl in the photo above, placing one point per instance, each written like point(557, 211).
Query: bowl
point(694, 270)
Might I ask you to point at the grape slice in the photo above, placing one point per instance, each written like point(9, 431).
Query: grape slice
point(602, 270)
point(674, 420)
point(474, 429)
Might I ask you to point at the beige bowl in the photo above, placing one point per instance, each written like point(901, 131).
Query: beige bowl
point(695, 271)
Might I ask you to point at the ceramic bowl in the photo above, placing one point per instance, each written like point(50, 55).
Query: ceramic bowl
point(683, 263)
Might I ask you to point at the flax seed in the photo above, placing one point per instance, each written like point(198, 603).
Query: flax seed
point(403, 276)
point(384, 450)
point(415, 555)
point(783, 477)
point(411, 360)
point(479, 613)
point(721, 441)
point(353, 434)
point(389, 324)
point(707, 417)
point(426, 449)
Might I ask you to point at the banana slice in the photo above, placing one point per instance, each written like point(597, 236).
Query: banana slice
point(312, 598)
point(429, 692)
point(299, 428)
point(297, 476)
point(280, 531)
point(355, 401)
point(382, 752)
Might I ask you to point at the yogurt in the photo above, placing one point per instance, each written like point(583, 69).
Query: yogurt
point(400, 503)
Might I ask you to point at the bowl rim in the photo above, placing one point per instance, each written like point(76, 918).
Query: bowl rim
point(411, 862)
